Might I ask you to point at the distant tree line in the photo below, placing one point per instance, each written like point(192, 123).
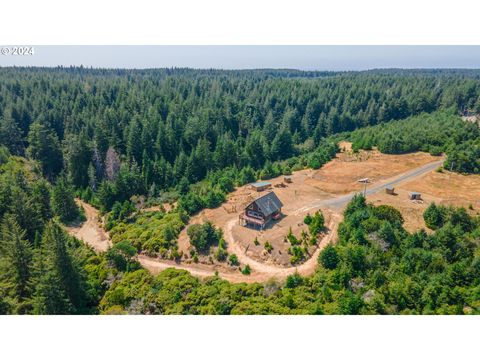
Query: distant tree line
point(437, 133)
point(116, 133)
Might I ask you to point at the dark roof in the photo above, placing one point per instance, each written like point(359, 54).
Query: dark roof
point(268, 203)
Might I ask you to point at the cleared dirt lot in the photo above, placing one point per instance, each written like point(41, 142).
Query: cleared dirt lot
point(340, 175)
point(328, 189)
point(294, 196)
point(445, 188)
point(309, 191)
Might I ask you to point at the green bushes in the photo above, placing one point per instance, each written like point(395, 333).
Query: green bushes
point(316, 224)
point(203, 236)
point(233, 260)
point(434, 216)
point(122, 256)
point(120, 212)
point(152, 232)
point(246, 270)
point(221, 253)
point(268, 246)
point(415, 274)
point(329, 257)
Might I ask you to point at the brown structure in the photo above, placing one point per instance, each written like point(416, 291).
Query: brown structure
point(415, 196)
point(261, 211)
point(287, 179)
point(390, 190)
point(260, 186)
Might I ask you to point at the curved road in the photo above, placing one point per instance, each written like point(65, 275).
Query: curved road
point(91, 233)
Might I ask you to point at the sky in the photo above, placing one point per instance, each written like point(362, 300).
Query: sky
point(251, 57)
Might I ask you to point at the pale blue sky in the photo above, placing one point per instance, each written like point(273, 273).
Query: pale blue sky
point(248, 57)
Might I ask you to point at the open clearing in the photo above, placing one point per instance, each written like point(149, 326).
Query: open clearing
point(445, 188)
point(329, 190)
point(90, 230)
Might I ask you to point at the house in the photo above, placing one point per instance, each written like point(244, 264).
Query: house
point(415, 196)
point(261, 211)
point(390, 190)
point(261, 185)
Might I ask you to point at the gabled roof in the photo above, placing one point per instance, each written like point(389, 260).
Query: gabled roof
point(268, 203)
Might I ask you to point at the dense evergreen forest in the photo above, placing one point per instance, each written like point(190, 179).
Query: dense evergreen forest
point(441, 132)
point(116, 133)
point(119, 137)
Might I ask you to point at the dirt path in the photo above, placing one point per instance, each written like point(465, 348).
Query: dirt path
point(90, 230)
point(260, 272)
point(93, 234)
point(274, 271)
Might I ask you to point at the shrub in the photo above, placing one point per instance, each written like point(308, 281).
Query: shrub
point(293, 281)
point(202, 236)
point(246, 270)
point(121, 255)
point(317, 224)
point(389, 213)
point(434, 216)
point(153, 232)
point(308, 219)
point(221, 254)
point(329, 257)
point(233, 260)
point(297, 254)
point(291, 238)
point(268, 246)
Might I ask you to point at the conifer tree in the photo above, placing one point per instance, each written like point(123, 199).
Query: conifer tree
point(15, 262)
point(44, 147)
point(63, 202)
point(60, 281)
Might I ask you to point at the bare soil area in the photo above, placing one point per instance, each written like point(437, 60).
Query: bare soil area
point(305, 194)
point(446, 188)
point(340, 175)
point(327, 189)
point(90, 231)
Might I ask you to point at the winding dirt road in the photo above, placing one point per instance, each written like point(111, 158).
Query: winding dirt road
point(93, 234)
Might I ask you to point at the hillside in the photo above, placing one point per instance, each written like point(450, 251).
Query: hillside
point(161, 162)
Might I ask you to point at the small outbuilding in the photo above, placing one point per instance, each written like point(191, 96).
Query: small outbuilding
point(390, 190)
point(287, 179)
point(261, 186)
point(415, 196)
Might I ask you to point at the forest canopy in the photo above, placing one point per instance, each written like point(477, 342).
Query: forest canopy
point(117, 133)
point(121, 139)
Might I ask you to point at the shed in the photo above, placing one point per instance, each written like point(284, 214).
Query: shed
point(390, 190)
point(261, 185)
point(415, 196)
point(287, 179)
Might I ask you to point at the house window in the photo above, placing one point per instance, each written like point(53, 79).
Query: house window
point(254, 214)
